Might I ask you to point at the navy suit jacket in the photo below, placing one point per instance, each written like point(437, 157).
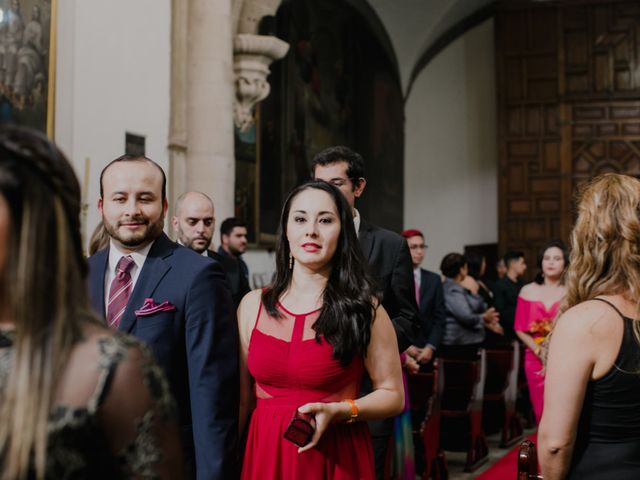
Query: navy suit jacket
point(433, 312)
point(390, 265)
point(237, 280)
point(196, 344)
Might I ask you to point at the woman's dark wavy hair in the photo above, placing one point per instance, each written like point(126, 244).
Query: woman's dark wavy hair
point(348, 298)
point(474, 263)
point(565, 254)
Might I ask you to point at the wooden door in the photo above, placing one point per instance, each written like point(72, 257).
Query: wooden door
point(569, 109)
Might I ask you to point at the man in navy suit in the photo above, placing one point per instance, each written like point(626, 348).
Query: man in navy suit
point(178, 303)
point(430, 297)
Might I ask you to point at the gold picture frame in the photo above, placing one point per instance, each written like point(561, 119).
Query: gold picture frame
point(27, 63)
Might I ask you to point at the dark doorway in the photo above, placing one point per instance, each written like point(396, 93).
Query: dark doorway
point(337, 85)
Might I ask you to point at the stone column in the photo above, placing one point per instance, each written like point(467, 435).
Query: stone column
point(209, 87)
point(178, 122)
point(202, 91)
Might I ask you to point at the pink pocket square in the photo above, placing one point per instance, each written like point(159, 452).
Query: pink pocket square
point(150, 307)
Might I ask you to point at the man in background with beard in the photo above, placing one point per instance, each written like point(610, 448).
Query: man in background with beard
point(233, 240)
point(178, 303)
point(194, 222)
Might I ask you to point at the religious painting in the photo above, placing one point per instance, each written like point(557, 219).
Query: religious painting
point(27, 63)
point(336, 86)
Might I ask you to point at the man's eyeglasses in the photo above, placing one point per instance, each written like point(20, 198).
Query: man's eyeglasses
point(418, 247)
point(341, 182)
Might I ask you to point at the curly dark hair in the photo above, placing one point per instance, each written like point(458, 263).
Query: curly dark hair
point(340, 153)
point(452, 263)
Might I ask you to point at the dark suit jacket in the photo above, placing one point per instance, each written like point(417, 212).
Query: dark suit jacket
point(505, 299)
point(244, 269)
point(433, 312)
point(237, 280)
point(196, 344)
point(391, 267)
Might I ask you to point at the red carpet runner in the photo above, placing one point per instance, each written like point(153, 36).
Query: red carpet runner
point(507, 467)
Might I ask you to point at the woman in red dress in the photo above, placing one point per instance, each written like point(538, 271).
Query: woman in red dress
point(307, 340)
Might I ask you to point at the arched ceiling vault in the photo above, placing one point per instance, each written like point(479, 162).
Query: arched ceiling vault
point(419, 29)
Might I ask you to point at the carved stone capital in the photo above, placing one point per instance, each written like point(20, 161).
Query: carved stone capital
point(252, 56)
point(248, 13)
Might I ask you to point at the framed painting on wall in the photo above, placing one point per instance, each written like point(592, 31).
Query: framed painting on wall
point(27, 63)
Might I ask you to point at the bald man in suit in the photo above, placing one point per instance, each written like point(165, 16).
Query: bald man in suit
point(193, 223)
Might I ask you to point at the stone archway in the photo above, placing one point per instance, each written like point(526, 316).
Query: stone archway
point(339, 84)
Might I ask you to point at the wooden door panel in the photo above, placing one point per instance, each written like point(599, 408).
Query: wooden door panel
point(601, 49)
point(569, 109)
point(605, 138)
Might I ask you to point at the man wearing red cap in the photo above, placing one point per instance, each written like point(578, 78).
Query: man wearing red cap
point(430, 298)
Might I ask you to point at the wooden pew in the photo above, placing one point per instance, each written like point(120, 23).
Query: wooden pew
point(501, 393)
point(425, 394)
point(461, 413)
point(528, 462)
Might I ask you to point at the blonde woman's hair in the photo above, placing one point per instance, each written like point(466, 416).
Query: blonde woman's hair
point(99, 239)
point(43, 290)
point(605, 242)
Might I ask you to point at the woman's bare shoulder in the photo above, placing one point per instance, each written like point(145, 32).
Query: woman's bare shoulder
point(530, 291)
point(587, 319)
point(252, 297)
point(247, 312)
point(250, 303)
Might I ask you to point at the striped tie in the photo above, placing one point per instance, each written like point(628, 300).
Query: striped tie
point(119, 292)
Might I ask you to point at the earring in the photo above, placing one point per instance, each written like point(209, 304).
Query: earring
point(290, 261)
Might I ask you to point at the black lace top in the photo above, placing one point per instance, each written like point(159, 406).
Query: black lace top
point(113, 417)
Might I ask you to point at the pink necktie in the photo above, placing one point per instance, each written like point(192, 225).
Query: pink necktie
point(415, 278)
point(119, 292)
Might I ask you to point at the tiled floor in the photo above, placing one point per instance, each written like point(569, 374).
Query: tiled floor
point(456, 460)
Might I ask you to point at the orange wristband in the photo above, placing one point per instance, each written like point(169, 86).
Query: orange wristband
point(354, 410)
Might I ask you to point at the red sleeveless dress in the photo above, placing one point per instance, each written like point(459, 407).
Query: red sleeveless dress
point(290, 369)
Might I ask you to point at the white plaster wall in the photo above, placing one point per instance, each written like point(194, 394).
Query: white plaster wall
point(450, 148)
point(262, 266)
point(113, 74)
point(413, 25)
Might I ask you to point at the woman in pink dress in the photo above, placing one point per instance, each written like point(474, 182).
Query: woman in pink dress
point(536, 309)
point(306, 341)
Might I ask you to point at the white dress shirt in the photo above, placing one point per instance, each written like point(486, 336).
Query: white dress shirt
point(417, 277)
point(139, 257)
point(356, 221)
